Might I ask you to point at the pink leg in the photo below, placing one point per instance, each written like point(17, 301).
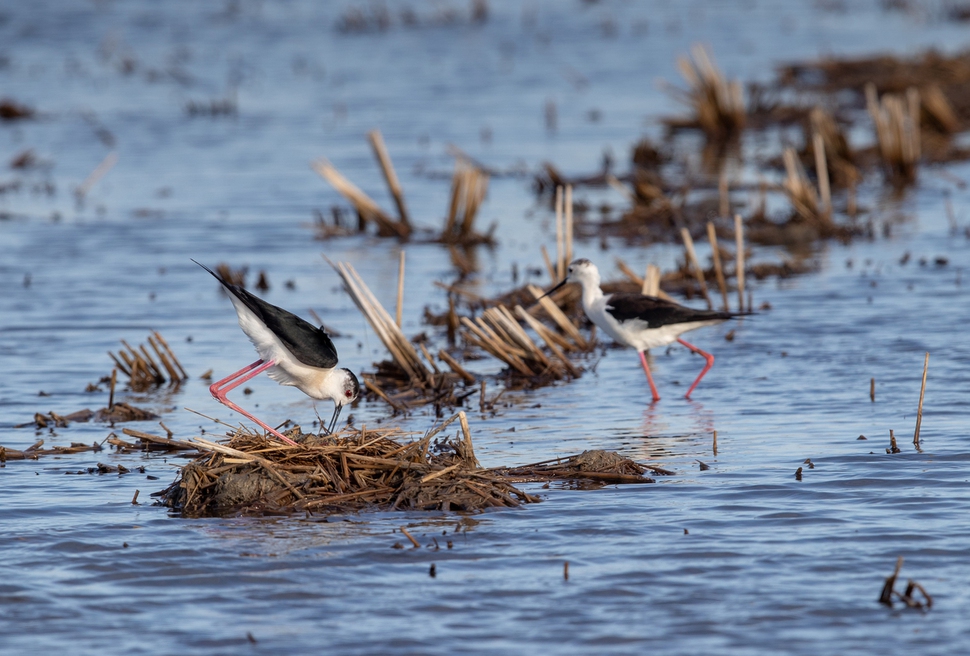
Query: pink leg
point(221, 388)
point(646, 369)
point(707, 367)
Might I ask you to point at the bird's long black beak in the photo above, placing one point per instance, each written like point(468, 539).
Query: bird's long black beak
point(552, 290)
point(333, 420)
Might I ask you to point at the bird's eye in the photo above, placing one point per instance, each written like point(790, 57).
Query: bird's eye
point(349, 394)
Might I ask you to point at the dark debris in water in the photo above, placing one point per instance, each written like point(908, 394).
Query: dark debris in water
point(119, 412)
point(909, 597)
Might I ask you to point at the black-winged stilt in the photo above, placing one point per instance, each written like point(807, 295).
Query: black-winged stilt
point(639, 321)
point(291, 351)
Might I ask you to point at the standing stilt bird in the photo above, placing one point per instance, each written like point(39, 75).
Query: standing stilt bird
point(291, 351)
point(639, 321)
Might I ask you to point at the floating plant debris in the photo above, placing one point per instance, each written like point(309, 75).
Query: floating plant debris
point(908, 597)
point(141, 368)
point(361, 468)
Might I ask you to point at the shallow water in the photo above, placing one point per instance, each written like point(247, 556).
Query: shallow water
point(741, 558)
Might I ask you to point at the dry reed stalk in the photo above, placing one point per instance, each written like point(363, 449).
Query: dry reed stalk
point(485, 339)
point(468, 451)
point(800, 190)
point(498, 332)
point(365, 206)
point(715, 443)
point(649, 284)
point(569, 226)
point(628, 272)
point(724, 196)
point(620, 187)
point(390, 176)
point(893, 447)
point(739, 259)
point(549, 267)
point(469, 184)
point(142, 369)
point(548, 337)
point(560, 251)
point(410, 537)
point(651, 281)
point(897, 129)
point(872, 390)
point(922, 391)
point(99, 171)
point(718, 104)
point(558, 317)
point(390, 334)
point(939, 108)
point(457, 368)
point(427, 356)
point(400, 290)
point(822, 171)
point(718, 269)
point(838, 157)
point(111, 394)
point(696, 266)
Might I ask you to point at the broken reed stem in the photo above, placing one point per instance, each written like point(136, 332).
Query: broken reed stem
point(390, 176)
point(872, 390)
point(698, 272)
point(628, 272)
point(457, 368)
point(410, 537)
point(569, 227)
point(106, 165)
point(400, 290)
point(620, 187)
point(557, 315)
point(651, 281)
point(739, 259)
point(171, 354)
point(469, 455)
point(799, 188)
point(896, 120)
point(560, 266)
point(922, 391)
point(111, 394)
point(723, 194)
point(822, 171)
point(365, 206)
point(715, 443)
point(401, 349)
point(718, 269)
point(551, 269)
point(481, 398)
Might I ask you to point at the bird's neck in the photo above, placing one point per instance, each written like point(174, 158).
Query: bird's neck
point(591, 294)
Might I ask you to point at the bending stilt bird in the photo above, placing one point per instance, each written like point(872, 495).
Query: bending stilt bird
point(291, 351)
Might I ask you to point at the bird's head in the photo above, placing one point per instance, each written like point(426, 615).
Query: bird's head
point(582, 271)
point(343, 388)
point(348, 386)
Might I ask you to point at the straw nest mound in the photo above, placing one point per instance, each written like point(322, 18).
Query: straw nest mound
point(358, 469)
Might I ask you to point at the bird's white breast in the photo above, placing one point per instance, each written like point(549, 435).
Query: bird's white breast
point(312, 381)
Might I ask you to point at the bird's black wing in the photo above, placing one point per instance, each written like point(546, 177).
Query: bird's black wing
point(657, 311)
point(310, 345)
